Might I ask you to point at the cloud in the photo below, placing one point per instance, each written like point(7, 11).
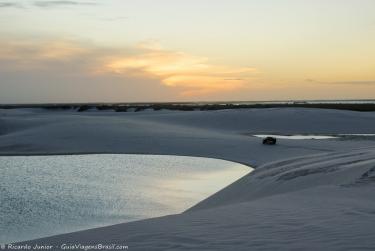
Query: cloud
point(58, 3)
point(54, 70)
point(178, 69)
point(352, 82)
point(144, 72)
point(48, 4)
point(10, 5)
point(371, 82)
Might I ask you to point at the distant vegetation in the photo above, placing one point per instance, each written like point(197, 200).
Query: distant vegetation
point(129, 107)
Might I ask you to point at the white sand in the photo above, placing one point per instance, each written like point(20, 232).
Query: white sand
point(321, 202)
point(217, 134)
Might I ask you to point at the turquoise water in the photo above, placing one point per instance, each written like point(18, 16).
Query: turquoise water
point(48, 195)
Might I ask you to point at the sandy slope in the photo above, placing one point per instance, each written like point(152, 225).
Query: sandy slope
point(310, 195)
point(218, 134)
point(323, 202)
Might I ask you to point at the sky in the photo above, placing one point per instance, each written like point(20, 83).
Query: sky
point(57, 51)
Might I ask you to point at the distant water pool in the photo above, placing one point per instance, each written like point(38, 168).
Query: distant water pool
point(48, 195)
point(295, 136)
point(314, 136)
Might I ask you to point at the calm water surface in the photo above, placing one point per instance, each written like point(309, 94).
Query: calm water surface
point(48, 195)
point(278, 136)
point(314, 136)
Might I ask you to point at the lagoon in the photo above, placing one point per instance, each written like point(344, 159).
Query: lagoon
point(48, 195)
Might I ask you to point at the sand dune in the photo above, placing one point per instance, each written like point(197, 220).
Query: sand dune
point(217, 134)
point(303, 195)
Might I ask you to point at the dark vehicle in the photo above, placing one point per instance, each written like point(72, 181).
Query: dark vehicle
point(269, 141)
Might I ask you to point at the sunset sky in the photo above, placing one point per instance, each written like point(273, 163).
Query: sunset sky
point(186, 50)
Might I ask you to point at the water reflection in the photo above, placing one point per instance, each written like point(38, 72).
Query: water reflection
point(47, 195)
point(198, 184)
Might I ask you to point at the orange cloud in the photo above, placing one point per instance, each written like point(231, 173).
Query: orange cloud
point(187, 74)
point(40, 54)
point(177, 69)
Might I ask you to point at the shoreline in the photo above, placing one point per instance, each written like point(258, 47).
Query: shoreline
point(117, 153)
